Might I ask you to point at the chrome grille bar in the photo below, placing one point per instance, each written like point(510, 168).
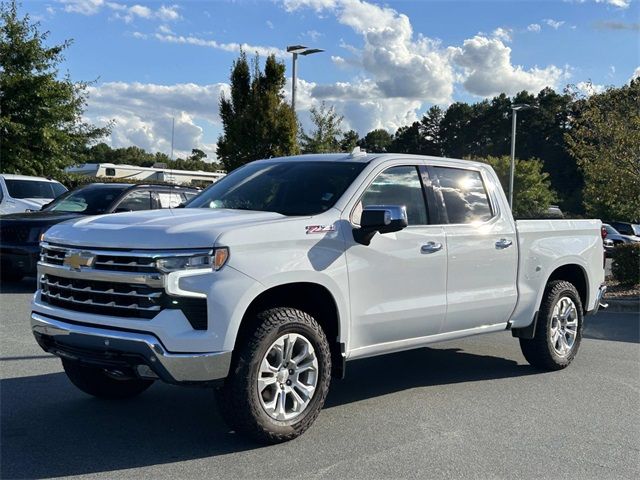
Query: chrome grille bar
point(70, 299)
point(110, 291)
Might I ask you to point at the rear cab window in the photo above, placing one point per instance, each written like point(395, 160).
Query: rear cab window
point(462, 195)
point(33, 189)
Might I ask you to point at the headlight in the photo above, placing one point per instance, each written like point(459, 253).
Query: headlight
point(214, 259)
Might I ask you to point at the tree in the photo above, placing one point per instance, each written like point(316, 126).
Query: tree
point(376, 141)
point(257, 123)
point(197, 155)
point(41, 126)
point(349, 141)
point(327, 131)
point(532, 194)
point(604, 138)
point(421, 138)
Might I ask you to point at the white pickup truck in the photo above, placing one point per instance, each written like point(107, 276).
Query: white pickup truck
point(269, 281)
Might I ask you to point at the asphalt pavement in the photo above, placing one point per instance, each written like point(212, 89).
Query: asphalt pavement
point(472, 408)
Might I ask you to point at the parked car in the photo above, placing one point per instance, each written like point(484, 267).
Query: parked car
point(20, 232)
point(616, 237)
point(626, 228)
point(275, 277)
point(20, 193)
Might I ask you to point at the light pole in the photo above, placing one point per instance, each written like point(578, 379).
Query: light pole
point(296, 50)
point(514, 115)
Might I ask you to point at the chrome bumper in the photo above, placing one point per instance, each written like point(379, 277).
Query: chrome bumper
point(139, 353)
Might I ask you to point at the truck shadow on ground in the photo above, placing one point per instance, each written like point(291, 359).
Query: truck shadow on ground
point(49, 429)
point(26, 285)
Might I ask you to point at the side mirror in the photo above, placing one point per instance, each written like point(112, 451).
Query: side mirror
point(382, 219)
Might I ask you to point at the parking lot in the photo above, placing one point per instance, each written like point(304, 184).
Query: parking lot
point(471, 409)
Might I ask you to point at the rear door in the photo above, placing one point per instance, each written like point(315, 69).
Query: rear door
point(397, 283)
point(481, 248)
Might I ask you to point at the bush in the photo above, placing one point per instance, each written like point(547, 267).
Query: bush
point(626, 264)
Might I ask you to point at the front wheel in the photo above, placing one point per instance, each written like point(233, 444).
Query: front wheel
point(97, 382)
point(280, 378)
point(558, 330)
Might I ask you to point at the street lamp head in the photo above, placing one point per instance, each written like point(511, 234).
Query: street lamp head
point(522, 106)
point(311, 51)
point(296, 48)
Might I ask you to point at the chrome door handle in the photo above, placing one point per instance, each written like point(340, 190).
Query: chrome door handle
point(503, 243)
point(431, 247)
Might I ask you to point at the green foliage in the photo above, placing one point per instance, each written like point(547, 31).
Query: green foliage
point(421, 138)
point(532, 194)
point(257, 123)
point(376, 141)
point(40, 114)
point(604, 138)
point(349, 141)
point(626, 263)
point(326, 134)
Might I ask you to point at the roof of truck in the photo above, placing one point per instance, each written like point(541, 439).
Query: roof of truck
point(11, 176)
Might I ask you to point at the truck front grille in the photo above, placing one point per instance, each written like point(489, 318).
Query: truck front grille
point(112, 261)
point(14, 234)
point(105, 298)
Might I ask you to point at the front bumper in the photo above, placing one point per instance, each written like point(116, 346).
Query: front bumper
point(138, 353)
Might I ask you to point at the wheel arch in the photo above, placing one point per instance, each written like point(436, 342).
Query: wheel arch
point(577, 276)
point(312, 298)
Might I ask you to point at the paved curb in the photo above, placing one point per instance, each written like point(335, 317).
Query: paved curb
point(623, 305)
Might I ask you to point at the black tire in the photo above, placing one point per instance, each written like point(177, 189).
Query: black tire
point(239, 399)
point(539, 350)
point(96, 382)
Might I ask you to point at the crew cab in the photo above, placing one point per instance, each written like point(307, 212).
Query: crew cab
point(20, 232)
point(272, 279)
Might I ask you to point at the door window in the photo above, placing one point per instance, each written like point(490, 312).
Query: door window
point(396, 186)
point(463, 194)
point(169, 199)
point(138, 200)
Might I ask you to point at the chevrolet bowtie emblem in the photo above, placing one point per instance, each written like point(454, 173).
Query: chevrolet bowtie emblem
point(76, 259)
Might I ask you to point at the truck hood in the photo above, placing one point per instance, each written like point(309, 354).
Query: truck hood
point(156, 229)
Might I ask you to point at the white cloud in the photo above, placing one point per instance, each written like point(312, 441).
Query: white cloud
point(314, 35)
point(143, 114)
point(228, 47)
point(555, 24)
point(534, 27)
point(400, 64)
point(503, 34)
point(587, 88)
point(635, 74)
point(165, 29)
point(84, 7)
point(122, 11)
point(270, 24)
point(488, 70)
point(615, 3)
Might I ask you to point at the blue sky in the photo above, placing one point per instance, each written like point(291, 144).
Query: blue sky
point(385, 62)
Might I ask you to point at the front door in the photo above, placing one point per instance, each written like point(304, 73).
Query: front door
point(397, 283)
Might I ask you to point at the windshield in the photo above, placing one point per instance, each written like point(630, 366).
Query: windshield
point(289, 188)
point(610, 230)
point(91, 200)
point(34, 189)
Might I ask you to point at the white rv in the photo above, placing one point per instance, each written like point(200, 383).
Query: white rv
point(157, 172)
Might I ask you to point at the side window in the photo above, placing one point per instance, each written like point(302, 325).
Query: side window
point(110, 172)
point(137, 200)
point(396, 186)
point(463, 193)
point(169, 199)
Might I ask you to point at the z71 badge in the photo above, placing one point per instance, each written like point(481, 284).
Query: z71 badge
point(320, 228)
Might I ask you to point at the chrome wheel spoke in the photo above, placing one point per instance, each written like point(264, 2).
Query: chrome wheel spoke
point(563, 330)
point(287, 377)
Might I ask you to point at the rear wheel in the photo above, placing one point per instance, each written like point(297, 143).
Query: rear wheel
point(280, 378)
point(558, 330)
point(99, 383)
